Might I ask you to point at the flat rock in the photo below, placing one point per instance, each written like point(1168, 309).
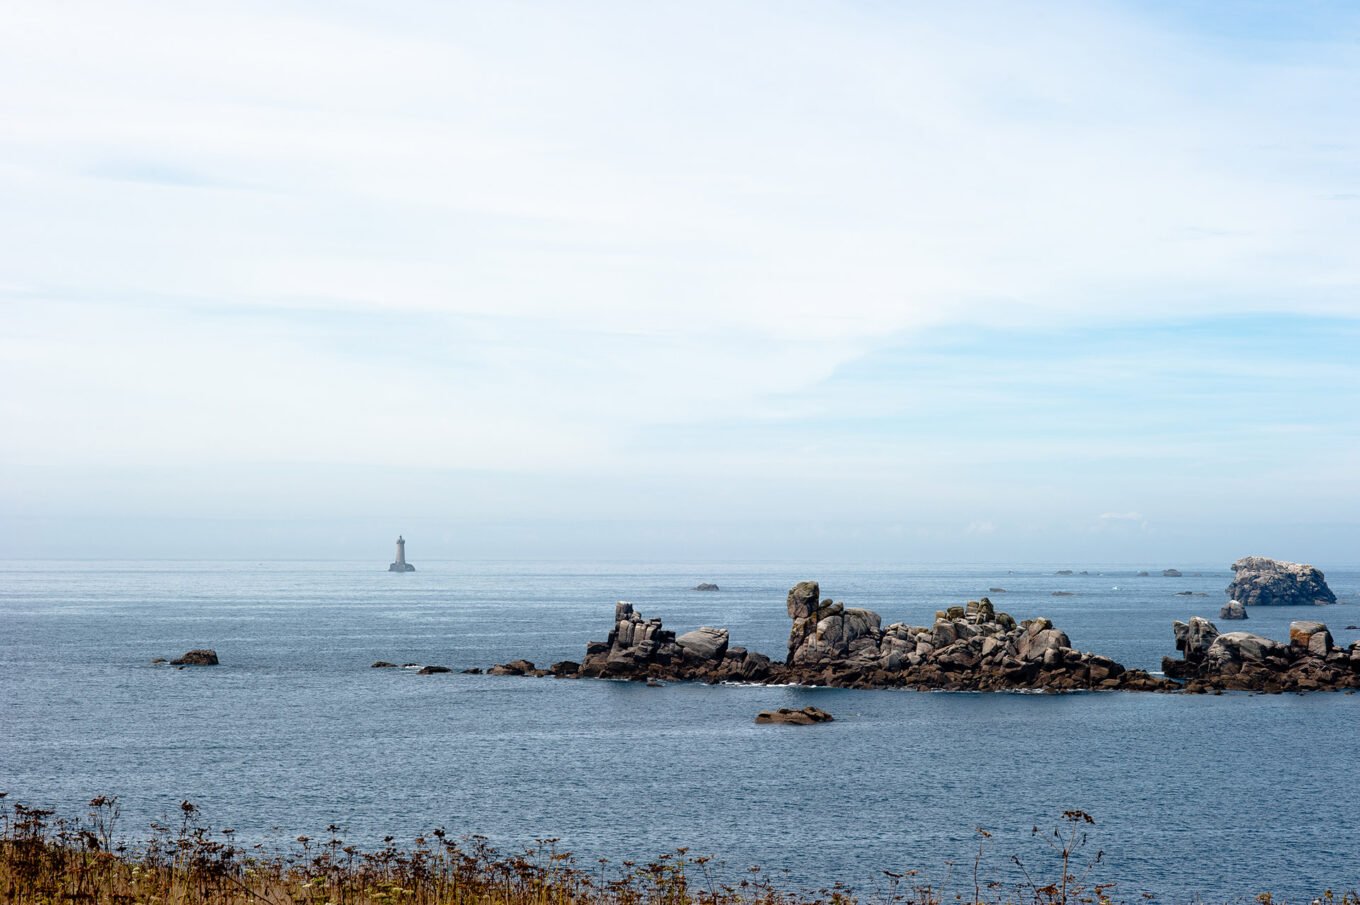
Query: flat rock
point(789, 717)
point(432, 670)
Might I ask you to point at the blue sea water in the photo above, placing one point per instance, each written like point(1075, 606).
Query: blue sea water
point(1209, 797)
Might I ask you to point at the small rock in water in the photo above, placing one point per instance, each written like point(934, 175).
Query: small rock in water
point(790, 717)
point(996, 590)
point(1171, 573)
point(431, 670)
point(1063, 594)
point(1233, 609)
point(383, 664)
point(199, 657)
point(706, 586)
point(157, 661)
point(513, 668)
point(473, 671)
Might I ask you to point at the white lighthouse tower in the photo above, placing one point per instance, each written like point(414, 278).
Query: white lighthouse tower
point(401, 565)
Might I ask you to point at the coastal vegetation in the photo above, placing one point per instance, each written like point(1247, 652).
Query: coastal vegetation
point(46, 859)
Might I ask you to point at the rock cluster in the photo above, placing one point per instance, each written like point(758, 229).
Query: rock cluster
point(1241, 661)
point(1259, 581)
point(970, 647)
point(790, 717)
point(641, 648)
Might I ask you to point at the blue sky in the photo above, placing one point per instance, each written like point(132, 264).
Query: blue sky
point(1014, 282)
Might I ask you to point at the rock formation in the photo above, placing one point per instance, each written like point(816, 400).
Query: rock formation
point(641, 648)
point(790, 717)
point(1233, 609)
point(1259, 581)
point(199, 657)
point(970, 647)
point(1246, 662)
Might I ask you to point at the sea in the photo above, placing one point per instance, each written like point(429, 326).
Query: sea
point(1194, 798)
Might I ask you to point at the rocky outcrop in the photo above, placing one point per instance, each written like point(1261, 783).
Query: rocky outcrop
point(1259, 581)
point(789, 717)
point(1243, 661)
point(705, 586)
point(199, 657)
point(1233, 609)
point(971, 647)
point(639, 648)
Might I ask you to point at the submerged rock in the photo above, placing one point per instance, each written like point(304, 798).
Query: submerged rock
point(199, 657)
point(1260, 581)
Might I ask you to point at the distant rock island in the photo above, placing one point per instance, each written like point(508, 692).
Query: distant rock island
point(1260, 581)
point(401, 565)
point(705, 586)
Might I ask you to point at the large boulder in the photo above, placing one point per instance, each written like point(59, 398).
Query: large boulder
point(1242, 647)
point(1260, 581)
point(704, 643)
point(1233, 609)
point(1311, 636)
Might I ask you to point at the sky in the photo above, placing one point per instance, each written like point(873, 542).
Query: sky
point(904, 282)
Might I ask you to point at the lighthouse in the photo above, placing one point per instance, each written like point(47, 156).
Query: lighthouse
point(401, 565)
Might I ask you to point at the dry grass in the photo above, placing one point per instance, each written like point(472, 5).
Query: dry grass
point(51, 860)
